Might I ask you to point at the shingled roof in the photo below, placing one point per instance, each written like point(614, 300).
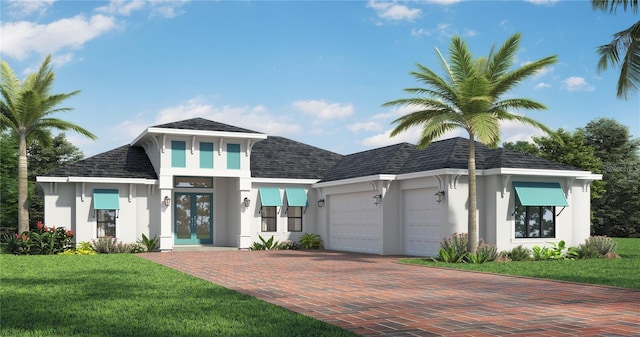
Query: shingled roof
point(204, 125)
point(278, 157)
point(445, 154)
point(123, 162)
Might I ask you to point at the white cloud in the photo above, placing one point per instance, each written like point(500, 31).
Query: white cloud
point(323, 110)
point(167, 8)
point(513, 131)
point(420, 32)
point(543, 2)
point(365, 126)
point(120, 7)
point(577, 84)
point(21, 39)
point(24, 8)
point(444, 2)
point(542, 85)
point(394, 11)
point(469, 33)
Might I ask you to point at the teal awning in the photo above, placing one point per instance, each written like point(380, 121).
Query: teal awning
point(296, 197)
point(540, 194)
point(270, 196)
point(106, 199)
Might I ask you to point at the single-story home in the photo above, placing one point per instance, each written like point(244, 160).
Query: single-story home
point(200, 182)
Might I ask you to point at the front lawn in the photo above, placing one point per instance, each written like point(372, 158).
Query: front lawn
point(124, 295)
point(621, 272)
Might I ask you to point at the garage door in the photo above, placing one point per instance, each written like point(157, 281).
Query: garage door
point(423, 222)
point(354, 223)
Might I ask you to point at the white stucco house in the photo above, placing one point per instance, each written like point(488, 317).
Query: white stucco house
point(200, 182)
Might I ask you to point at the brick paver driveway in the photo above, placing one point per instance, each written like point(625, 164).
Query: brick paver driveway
point(374, 295)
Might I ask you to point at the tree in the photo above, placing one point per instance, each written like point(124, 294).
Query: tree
point(470, 96)
point(8, 183)
point(26, 109)
point(623, 50)
point(617, 213)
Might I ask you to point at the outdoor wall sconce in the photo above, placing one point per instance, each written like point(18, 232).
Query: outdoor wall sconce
point(377, 198)
point(439, 196)
point(246, 202)
point(167, 201)
point(321, 203)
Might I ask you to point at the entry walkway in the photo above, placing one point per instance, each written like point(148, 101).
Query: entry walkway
point(375, 296)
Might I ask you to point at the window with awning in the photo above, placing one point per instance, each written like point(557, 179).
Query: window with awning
point(540, 194)
point(270, 196)
point(296, 197)
point(106, 199)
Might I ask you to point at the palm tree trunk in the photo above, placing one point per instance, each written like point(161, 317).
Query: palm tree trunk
point(473, 221)
point(23, 185)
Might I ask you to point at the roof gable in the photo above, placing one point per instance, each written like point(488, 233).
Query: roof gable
point(203, 125)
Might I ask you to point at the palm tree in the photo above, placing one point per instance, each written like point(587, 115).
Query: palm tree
point(26, 108)
point(469, 96)
point(623, 50)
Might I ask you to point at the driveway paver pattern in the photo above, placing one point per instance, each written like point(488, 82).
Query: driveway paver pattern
point(376, 296)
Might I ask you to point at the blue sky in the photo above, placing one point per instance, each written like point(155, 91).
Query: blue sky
point(316, 71)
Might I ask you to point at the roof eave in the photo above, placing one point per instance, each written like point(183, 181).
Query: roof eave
point(104, 180)
point(376, 177)
point(203, 133)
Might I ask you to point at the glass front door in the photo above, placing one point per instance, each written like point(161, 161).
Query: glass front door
point(193, 214)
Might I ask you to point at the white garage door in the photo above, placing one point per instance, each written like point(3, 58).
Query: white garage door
point(354, 223)
point(423, 222)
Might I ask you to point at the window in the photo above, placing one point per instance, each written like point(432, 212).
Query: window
point(294, 219)
point(535, 221)
point(193, 182)
point(206, 155)
point(106, 223)
point(269, 214)
point(233, 156)
point(178, 154)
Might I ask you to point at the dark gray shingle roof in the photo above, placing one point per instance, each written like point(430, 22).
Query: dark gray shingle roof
point(278, 157)
point(203, 124)
point(123, 162)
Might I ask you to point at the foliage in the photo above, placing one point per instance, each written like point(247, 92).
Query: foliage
point(150, 245)
point(617, 213)
point(459, 241)
point(612, 272)
point(26, 108)
point(519, 253)
point(288, 245)
point(484, 253)
point(597, 246)
point(269, 244)
point(126, 296)
point(470, 96)
point(541, 253)
point(623, 50)
point(451, 254)
point(311, 241)
point(42, 241)
point(84, 248)
point(8, 183)
point(112, 246)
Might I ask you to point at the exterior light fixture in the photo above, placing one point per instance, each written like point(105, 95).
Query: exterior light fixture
point(167, 201)
point(321, 203)
point(246, 202)
point(439, 196)
point(377, 198)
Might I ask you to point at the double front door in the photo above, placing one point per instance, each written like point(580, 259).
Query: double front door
point(193, 214)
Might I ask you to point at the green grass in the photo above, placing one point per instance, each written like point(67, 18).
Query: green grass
point(621, 272)
point(124, 295)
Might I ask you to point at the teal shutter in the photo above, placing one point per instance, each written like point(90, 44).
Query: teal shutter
point(270, 196)
point(178, 154)
point(540, 194)
point(106, 199)
point(206, 155)
point(233, 156)
point(296, 197)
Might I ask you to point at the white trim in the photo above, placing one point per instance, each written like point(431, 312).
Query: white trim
point(185, 132)
point(423, 174)
point(193, 144)
point(140, 181)
point(283, 181)
point(356, 180)
point(533, 172)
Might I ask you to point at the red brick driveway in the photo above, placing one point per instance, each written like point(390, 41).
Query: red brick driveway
point(375, 296)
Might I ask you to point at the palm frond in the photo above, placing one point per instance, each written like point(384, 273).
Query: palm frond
point(502, 60)
point(612, 5)
point(486, 128)
point(511, 79)
point(517, 104)
point(462, 64)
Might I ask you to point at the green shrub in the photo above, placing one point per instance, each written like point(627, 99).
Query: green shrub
point(311, 241)
point(603, 245)
point(541, 253)
point(41, 241)
point(112, 246)
point(451, 255)
point(520, 253)
point(458, 240)
point(265, 244)
point(149, 244)
point(484, 253)
point(288, 245)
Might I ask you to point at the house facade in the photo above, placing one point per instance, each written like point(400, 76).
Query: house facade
point(200, 182)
